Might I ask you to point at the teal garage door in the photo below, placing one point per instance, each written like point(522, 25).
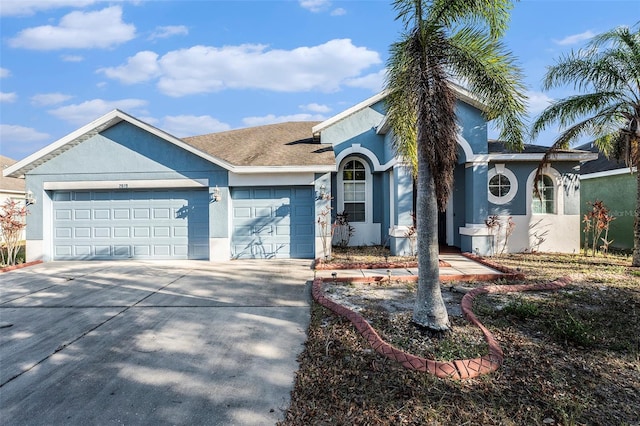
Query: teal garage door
point(145, 224)
point(273, 222)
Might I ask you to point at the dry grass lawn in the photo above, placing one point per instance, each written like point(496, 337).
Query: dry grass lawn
point(572, 357)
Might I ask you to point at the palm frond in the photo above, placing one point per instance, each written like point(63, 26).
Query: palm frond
point(568, 110)
point(491, 16)
point(490, 72)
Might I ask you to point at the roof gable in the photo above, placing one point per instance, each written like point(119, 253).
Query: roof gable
point(95, 127)
point(279, 147)
point(461, 93)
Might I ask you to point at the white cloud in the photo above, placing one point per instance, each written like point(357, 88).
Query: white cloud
point(4, 73)
point(45, 99)
point(168, 31)
point(8, 97)
point(205, 69)
point(338, 12)
point(373, 81)
point(20, 134)
point(72, 58)
point(272, 119)
point(85, 112)
point(190, 125)
point(313, 107)
point(575, 38)
point(29, 7)
point(78, 30)
point(537, 102)
point(315, 6)
point(141, 67)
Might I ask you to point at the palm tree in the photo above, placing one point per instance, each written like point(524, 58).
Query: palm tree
point(446, 41)
point(606, 74)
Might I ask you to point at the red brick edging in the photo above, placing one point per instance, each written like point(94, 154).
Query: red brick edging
point(458, 369)
point(20, 266)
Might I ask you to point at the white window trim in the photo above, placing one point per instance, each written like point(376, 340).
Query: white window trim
point(368, 208)
point(512, 180)
point(558, 196)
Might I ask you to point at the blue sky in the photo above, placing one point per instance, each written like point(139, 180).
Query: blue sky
point(196, 67)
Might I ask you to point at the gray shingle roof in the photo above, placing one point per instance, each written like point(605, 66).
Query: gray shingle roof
point(9, 183)
point(282, 144)
point(601, 164)
point(498, 147)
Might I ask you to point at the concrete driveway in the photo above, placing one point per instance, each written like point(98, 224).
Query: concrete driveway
point(133, 342)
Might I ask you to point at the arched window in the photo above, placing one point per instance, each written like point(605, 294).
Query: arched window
point(544, 202)
point(354, 190)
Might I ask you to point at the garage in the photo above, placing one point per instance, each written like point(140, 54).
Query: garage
point(121, 224)
point(273, 222)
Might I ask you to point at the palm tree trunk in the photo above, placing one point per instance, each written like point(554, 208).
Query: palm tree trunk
point(636, 223)
point(430, 310)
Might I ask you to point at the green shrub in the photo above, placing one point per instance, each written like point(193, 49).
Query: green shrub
point(522, 309)
point(572, 331)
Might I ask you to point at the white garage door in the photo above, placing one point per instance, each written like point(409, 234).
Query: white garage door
point(273, 222)
point(145, 224)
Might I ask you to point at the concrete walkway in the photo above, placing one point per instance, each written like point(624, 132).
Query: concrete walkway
point(132, 342)
point(459, 266)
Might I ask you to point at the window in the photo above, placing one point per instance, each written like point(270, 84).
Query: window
point(354, 186)
point(499, 185)
point(503, 185)
point(544, 202)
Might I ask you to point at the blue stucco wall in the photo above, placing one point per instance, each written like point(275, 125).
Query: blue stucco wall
point(126, 152)
point(475, 190)
point(380, 198)
point(522, 171)
point(358, 128)
point(474, 127)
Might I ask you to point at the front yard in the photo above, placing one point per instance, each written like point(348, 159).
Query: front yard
point(571, 356)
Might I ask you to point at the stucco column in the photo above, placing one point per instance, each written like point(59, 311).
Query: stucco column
point(219, 217)
point(323, 215)
point(474, 236)
point(401, 210)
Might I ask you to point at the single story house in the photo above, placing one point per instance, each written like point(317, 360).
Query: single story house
point(121, 188)
point(614, 183)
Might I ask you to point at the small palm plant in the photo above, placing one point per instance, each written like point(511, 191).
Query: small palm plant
point(606, 75)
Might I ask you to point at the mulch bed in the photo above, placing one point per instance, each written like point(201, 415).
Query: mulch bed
point(322, 265)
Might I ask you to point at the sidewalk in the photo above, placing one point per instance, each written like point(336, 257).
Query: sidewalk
point(460, 266)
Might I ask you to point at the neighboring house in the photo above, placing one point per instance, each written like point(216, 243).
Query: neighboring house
point(613, 183)
point(10, 188)
point(120, 188)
